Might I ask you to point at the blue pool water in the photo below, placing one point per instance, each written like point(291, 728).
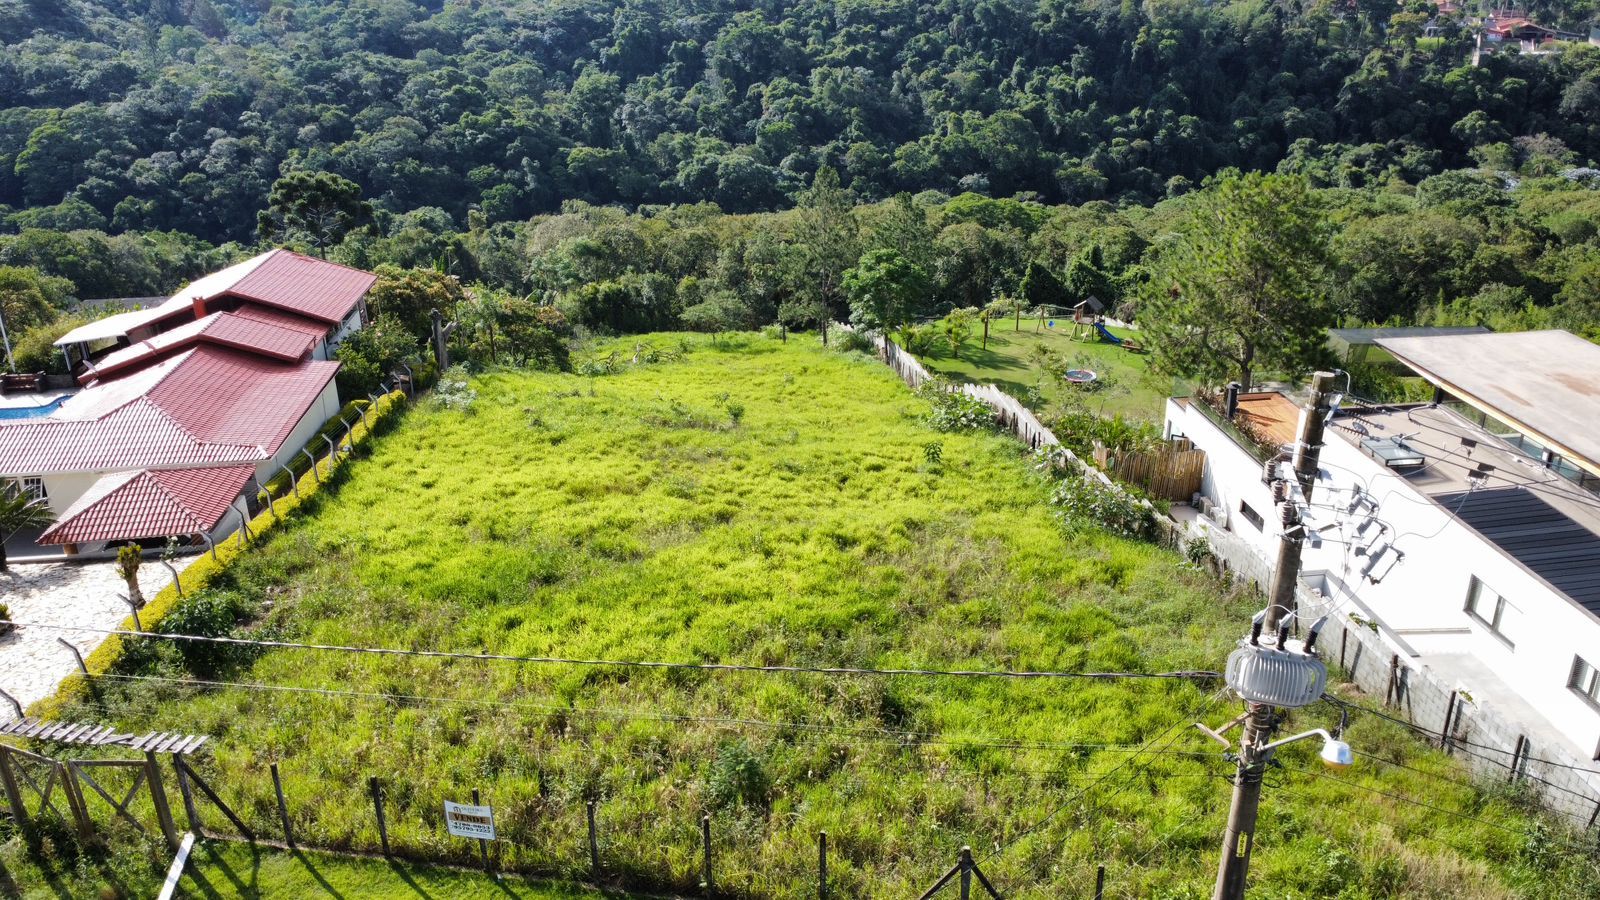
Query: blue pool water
point(30, 412)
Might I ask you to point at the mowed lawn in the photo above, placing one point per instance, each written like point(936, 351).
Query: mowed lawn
point(771, 504)
point(1132, 391)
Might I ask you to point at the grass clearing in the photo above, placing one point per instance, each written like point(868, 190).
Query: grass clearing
point(635, 517)
point(223, 870)
point(1137, 393)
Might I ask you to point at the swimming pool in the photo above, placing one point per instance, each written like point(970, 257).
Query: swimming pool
point(30, 412)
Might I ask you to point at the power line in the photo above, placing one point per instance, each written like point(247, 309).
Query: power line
point(1188, 716)
point(1429, 806)
point(1454, 740)
point(638, 664)
point(918, 737)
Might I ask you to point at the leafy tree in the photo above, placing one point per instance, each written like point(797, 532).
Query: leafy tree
point(129, 558)
point(29, 300)
point(957, 327)
point(535, 335)
point(369, 355)
point(1244, 285)
point(411, 295)
point(884, 288)
point(720, 312)
point(828, 238)
point(1039, 288)
point(319, 208)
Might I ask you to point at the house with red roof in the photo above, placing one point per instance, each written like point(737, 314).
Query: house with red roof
point(188, 405)
point(322, 300)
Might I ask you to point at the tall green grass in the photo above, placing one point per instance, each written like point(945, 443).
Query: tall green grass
point(632, 516)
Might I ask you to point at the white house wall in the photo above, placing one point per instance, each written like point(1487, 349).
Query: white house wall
point(1419, 600)
point(324, 408)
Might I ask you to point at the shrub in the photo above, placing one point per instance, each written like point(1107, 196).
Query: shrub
point(738, 777)
point(1088, 501)
point(953, 410)
point(917, 340)
point(857, 342)
point(207, 614)
point(5, 620)
point(735, 412)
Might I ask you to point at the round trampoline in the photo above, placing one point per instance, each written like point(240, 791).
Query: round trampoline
point(1079, 376)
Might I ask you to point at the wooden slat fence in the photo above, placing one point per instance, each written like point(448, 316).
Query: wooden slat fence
point(1171, 473)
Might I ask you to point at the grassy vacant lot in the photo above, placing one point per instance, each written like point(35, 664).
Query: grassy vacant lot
point(228, 871)
point(773, 504)
point(1136, 393)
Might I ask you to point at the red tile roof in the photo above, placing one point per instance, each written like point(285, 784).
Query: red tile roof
point(279, 278)
point(150, 503)
point(229, 329)
point(303, 284)
point(206, 405)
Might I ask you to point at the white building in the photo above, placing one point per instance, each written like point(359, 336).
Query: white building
point(1466, 530)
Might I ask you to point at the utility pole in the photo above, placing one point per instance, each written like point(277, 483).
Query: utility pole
point(1239, 839)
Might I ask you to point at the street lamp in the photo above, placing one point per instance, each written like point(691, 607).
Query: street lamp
point(1335, 753)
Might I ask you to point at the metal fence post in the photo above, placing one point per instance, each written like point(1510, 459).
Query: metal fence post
point(177, 585)
point(377, 805)
point(966, 873)
point(1100, 883)
point(75, 655)
point(705, 839)
point(283, 807)
point(594, 846)
point(314, 473)
point(483, 844)
point(822, 865)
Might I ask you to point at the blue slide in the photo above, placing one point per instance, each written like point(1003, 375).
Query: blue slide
point(1100, 327)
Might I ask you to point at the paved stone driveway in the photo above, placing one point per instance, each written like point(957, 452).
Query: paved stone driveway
point(32, 662)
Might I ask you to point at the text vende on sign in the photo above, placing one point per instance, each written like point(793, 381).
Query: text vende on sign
point(464, 820)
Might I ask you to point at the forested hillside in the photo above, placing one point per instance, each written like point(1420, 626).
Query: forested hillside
point(157, 115)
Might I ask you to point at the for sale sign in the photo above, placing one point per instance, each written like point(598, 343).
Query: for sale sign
point(468, 821)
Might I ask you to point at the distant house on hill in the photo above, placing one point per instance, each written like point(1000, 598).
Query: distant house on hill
point(1512, 31)
point(188, 403)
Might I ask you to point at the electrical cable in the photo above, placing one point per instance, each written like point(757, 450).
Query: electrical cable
point(1439, 735)
point(917, 737)
point(640, 664)
point(1076, 795)
point(1429, 806)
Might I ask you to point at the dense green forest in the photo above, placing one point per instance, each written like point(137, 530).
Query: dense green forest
point(658, 165)
point(178, 115)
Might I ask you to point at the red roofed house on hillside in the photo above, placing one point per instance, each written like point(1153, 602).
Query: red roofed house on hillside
point(324, 300)
point(186, 406)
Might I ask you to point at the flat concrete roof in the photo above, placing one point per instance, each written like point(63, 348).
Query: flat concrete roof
point(1352, 337)
point(1546, 384)
point(1541, 521)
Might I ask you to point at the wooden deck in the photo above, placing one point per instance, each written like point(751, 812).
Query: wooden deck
point(1272, 414)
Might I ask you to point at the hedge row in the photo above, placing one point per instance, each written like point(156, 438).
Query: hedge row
point(207, 567)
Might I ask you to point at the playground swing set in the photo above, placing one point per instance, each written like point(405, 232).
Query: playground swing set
point(1089, 325)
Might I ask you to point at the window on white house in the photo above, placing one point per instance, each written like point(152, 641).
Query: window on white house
point(1585, 681)
point(34, 487)
point(1494, 611)
point(1250, 515)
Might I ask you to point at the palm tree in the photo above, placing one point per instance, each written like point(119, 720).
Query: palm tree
point(19, 510)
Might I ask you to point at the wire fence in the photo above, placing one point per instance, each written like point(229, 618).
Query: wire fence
point(1494, 747)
